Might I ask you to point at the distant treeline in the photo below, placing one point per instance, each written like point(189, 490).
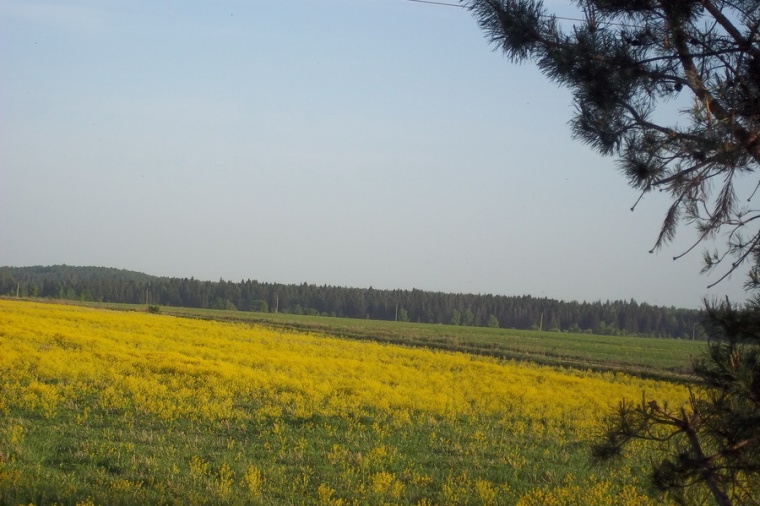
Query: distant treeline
point(523, 312)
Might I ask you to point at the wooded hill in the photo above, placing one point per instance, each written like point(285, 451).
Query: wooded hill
point(520, 312)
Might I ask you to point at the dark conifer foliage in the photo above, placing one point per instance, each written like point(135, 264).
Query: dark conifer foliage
point(622, 63)
point(523, 312)
point(714, 443)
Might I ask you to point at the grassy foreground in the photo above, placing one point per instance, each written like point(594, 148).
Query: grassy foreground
point(104, 407)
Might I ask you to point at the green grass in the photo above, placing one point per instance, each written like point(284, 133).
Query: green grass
point(112, 460)
point(668, 359)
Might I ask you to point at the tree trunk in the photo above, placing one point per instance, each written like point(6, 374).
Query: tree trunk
point(706, 471)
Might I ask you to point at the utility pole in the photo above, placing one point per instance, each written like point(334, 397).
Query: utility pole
point(541, 322)
point(396, 319)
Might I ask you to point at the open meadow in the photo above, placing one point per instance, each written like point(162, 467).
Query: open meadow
point(109, 407)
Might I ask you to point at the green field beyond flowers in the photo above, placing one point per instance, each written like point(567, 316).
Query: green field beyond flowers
point(109, 407)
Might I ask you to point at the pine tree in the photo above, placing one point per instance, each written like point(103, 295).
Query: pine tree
point(622, 62)
point(713, 445)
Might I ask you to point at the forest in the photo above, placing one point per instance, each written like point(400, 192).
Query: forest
point(103, 284)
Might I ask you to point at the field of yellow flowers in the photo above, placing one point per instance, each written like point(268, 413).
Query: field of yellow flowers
point(106, 407)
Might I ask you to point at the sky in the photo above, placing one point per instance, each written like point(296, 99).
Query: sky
point(354, 143)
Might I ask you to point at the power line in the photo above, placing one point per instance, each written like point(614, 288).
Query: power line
point(438, 3)
point(465, 7)
point(555, 17)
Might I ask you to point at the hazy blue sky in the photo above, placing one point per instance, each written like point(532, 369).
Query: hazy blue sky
point(345, 142)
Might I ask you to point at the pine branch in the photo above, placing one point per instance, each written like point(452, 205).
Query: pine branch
point(743, 43)
point(749, 140)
